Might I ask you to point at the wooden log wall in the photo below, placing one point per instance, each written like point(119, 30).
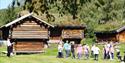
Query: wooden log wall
point(35, 45)
point(121, 37)
point(30, 29)
point(75, 33)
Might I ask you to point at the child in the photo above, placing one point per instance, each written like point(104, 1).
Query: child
point(79, 51)
point(104, 52)
point(111, 53)
point(96, 53)
point(60, 49)
point(86, 51)
point(73, 50)
point(118, 54)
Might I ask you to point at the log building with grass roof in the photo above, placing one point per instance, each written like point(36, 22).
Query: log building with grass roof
point(114, 35)
point(30, 33)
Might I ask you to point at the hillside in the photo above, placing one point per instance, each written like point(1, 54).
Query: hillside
point(99, 15)
point(67, 20)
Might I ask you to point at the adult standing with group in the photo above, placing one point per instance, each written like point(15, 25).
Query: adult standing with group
point(9, 47)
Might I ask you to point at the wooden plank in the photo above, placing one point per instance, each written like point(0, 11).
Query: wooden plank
point(30, 23)
point(28, 49)
point(24, 25)
point(28, 37)
point(35, 45)
point(28, 28)
point(29, 46)
point(24, 43)
point(25, 28)
point(30, 41)
point(29, 31)
point(30, 34)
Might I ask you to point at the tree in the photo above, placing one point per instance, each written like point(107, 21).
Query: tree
point(10, 13)
point(91, 12)
point(43, 6)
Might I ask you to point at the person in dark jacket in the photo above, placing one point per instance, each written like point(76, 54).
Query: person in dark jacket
point(118, 54)
point(73, 50)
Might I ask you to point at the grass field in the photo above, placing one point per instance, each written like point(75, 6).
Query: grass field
point(50, 57)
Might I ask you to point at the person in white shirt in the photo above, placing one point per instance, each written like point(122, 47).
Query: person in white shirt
point(60, 49)
point(9, 47)
point(96, 52)
point(111, 53)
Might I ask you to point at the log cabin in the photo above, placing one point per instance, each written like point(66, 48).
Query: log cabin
point(67, 33)
point(30, 34)
point(115, 35)
point(73, 33)
point(105, 36)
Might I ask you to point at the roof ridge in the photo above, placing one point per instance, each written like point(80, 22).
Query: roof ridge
point(23, 17)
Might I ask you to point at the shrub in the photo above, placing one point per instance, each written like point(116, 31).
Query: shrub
point(88, 41)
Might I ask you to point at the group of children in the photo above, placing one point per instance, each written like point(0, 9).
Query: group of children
point(80, 50)
point(108, 51)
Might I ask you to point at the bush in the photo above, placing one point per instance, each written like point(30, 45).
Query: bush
point(88, 41)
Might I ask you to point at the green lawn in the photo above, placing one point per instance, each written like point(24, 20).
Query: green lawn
point(50, 57)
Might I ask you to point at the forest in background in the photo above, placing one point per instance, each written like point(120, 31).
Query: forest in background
point(97, 15)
